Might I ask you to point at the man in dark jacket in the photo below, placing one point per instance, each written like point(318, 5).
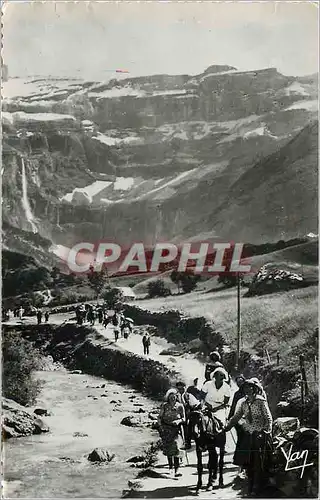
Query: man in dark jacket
point(146, 343)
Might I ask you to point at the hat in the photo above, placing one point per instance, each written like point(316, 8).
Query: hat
point(254, 382)
point(180, 384)
point(222, 371)
point(215, 354)
point(170, 391)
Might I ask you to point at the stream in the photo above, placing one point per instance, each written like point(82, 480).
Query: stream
point(55, 465)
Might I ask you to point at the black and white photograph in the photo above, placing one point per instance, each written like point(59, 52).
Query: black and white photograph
point(159, 249)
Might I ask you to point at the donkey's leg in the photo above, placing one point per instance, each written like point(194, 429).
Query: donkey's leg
point(221, 465)
point(212, 465)
point(199, 468)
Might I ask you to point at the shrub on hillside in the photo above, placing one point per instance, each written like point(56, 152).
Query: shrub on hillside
point(185, 280)
point(113, 297)
point(158, 289)
point(20, 359)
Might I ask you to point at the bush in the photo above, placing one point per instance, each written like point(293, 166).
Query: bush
point(185, 280)
point(113, 297)
point(158, 289)
point(20, 359)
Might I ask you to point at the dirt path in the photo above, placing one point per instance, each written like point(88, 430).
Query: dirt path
point(189, 368)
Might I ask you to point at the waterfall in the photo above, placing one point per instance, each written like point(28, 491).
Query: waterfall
point(25, 201)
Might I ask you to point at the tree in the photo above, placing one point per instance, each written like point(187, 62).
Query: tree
point(186, 280)
point(113, 297)
point(19, 360)
point(97, 280)
point(229, 280)
point(175, 277)
point(189, 281)
point(158, 288)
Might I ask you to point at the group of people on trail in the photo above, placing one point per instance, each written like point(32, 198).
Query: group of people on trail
point(121, 325)
point(248, 413)
point(7, 314)
point(39, 315)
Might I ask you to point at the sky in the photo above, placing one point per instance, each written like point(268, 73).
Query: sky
point(91, 39)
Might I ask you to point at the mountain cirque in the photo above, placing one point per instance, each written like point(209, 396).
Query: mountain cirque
point(161, 157)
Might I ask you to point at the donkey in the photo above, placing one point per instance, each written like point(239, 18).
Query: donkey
point(208, 434)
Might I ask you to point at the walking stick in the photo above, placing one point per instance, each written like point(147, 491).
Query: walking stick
point(235, 442)
point(184, 443)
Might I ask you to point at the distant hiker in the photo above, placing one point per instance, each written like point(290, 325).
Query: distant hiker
point(39, 316)
point(171, 417)
point(106, 320)
point(20, 313)
point(91, 316)
point(100, 315)
point(146, 343)
point(80, 314)
point(116, 321)
point(126, 327)
point(46, 316)
point(214, 363)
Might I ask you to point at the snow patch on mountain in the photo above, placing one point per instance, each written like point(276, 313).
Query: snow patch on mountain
point(37, 87)
point(117, 92)
point(260, 131)
point(88, 191)
point(296, 88)
point(310, 105)
point(115, 141)
point(123, 183)
point(39, 117)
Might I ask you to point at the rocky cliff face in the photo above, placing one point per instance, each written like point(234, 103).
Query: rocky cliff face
point(144, 158)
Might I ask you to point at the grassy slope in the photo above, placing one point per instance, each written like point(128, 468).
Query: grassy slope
point(282, 321)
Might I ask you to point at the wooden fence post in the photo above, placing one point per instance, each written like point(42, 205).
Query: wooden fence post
point(303, 375)
point(302, 401)
point(268, 356)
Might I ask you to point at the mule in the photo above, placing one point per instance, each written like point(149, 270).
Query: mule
point(208, 434)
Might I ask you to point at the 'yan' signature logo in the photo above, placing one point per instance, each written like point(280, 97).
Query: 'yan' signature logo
point(291, 458)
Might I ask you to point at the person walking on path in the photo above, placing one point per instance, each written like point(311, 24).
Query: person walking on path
point(194, 390)
point(39, 316)
point(216, 394)
point(46, 316)
point(238, 396)
point(253, 451)
point(215, 362)
point(171, 417)
point(91, 316)
point(146, 343)
point(116, 321)
point(189, 401)
point(100, 315)
point(20, 313)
